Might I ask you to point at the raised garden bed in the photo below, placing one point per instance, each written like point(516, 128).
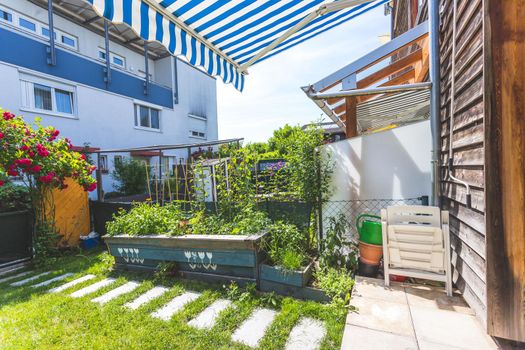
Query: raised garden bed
point(215, 258)
point(293, 278)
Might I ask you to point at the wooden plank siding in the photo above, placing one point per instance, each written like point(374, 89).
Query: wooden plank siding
point(468, 139)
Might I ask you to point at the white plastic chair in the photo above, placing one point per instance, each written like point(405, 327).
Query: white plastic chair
point(416, 243)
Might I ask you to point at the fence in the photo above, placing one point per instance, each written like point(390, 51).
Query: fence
point(353, 208)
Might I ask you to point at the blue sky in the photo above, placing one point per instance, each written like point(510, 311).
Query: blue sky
point(272, 96)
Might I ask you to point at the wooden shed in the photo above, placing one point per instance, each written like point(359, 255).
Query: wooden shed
point(481, 49)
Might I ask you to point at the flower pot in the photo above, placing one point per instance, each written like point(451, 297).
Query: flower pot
point(370, 253)
point(367, 270)
point(396, 278)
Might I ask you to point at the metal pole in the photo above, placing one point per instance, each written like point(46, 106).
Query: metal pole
point(52, 58)
point(107, 78)
point(435, 99)
point(100, 192)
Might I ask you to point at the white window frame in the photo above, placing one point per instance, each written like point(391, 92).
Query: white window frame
point(137, 125)
point(27, 83)
point(112, 56)
point(198, 117)
point(203, 137)
point(104, 166)
point(15, 22)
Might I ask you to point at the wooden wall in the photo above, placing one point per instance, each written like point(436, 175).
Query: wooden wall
point(467, 224)
point(505, 150)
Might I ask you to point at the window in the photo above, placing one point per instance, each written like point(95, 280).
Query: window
point(198, 134)
point(41, 95)
point(117, 160)
point(69, 41)
point(103, 166)
point(45, 32)
point(147, 117)
point(6, 16)
point(24, 23)
point(116, 60)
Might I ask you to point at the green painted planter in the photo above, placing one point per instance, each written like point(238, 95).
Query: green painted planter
point(369, 231)
point(279, 275)
point(306, 293)
point(212, 258)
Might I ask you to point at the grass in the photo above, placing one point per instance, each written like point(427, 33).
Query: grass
point(33, 319)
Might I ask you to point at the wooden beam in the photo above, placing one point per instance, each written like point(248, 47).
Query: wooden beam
point(351, 117)
point(504, 97)
point(392, 68)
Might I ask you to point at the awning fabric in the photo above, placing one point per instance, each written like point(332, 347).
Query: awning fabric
point(220, 35)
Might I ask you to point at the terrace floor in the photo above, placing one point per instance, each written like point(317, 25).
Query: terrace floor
point(406, 316)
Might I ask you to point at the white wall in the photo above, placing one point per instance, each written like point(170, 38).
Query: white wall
point(393, 164)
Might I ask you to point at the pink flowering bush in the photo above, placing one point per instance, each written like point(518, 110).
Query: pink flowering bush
point(39, 157)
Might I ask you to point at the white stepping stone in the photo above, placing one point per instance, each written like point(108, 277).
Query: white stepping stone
point(175, 305)
point(112, 294)
point(71, 284)
point(306, 335)
point(7, 272)
point(254, 328)
point(207, 318)
point(30, 279)
point(22, 274)
point(93, 288)
point(58, 278)
point(145, 298)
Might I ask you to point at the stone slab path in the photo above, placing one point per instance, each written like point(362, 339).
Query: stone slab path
point(254, 328)
point(9, 278)
point(54, 279)
point(306, 335)
point(71, 284)
point(145, 298)
point(207, 318)
point(405, 316)
point(115, 293)
point(30, 279)
point(175, 305)
point(93, 288)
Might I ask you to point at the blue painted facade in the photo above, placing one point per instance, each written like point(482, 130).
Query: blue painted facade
point(29, 53)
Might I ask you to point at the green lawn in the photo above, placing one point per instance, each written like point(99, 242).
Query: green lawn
point(33, 319)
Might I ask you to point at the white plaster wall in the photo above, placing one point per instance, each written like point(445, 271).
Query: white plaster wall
point(393, 164)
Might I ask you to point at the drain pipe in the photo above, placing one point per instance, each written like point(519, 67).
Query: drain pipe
point(435, 123)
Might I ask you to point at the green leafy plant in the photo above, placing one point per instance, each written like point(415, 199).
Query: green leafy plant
point(336, 252)
point(234, 292)
point(14, 198)
point(165, 270)
point(247, 221)
point(148, 219)
point(336, 283)
point(131, 175)
point(286, 246)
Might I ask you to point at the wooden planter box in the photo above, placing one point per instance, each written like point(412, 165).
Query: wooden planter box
point(280, 275)
point(213, 258)
point(15, 236)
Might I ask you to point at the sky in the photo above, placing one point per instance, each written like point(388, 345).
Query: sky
point(272, 93)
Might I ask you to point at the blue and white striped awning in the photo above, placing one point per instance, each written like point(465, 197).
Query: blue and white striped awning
point(225, 37)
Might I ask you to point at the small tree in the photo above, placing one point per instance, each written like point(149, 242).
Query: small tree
point(131, 176)
point(36, 156)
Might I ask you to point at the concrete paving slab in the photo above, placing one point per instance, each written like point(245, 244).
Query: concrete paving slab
point(374, 288)
point(253, 329)
point(426, 345)
point(381, 315)
point(145, 298)
point(306, 335)
point(71, 284)
point(9, 271)
point(55, 279)
point(30, 279)
point(175, 305)
point(449, 328)
point(9, 278)
point(207, 318)
point(115, 293)
point(361, 338)
point(436, 298)
point(93, 288)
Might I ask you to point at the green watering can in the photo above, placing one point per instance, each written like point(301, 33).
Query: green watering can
point(369, 231)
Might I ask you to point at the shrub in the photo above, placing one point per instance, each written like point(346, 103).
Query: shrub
point(131, 176)
point(336, 283)
point(336, 253)
point(14, 198)
point(148, 219)
point(247, 222)
point(286, 246)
